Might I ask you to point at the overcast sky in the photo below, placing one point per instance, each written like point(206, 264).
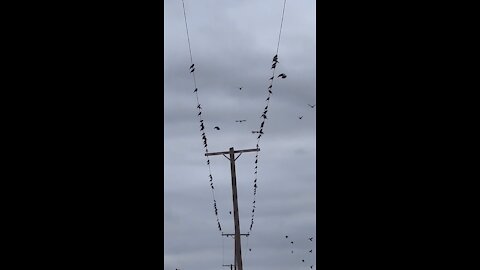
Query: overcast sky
point(233, 43)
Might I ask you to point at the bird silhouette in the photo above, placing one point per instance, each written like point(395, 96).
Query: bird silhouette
point(311, 238)
point(271, 78)
point(311, 250)
point(230, 212)
point(217, 128)
point(282, 75)
point(240, 88)
point(192, 70)
point(300, 117)
point(312, 106)
point(311, 266)
point(267, 99)
point(270, 91)
point(291, 242)
point(270, 86)
point(249, 249)
point(303, 260)
point(286, 236)
point(199, 106)
point(192, 66)
point(196, 89)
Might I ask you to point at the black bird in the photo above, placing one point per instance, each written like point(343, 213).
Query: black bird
point(199, 106)
point(270, 91)
point(230, 212)
point(240, 88)
point(282, 75)
point(270, 86)
point(249, 249)
point(300, 117)
point(271, 78)
point(312, 106)
point(192, 70)
point(291, 242)
point(217, 128)
point(311, 266)
point(192, 66)
point(311, 238)
point(195, 90)
point(267, 99)
point(303, 260)
point(311, 250)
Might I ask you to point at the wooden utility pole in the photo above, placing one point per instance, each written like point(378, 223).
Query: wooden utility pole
point(238, 246)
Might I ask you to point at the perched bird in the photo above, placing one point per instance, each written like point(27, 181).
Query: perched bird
point(286, 236)
point(270, 86)
point(312, 106)
point(240, 88)
point(249, 249)
point(270, 91)
point(192, 70)
point(217, 128)
point(300, 117)
point(199, 106)
point(303, 260)
point(311, 250)
point(267, 99)
point(291, 242)
point(311, 266)
point(311, 238)
point(282, 75)
point(196, 89)
point(192, 66)
point(271, 78)
point(230, 212)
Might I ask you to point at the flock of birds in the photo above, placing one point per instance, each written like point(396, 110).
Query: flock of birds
point(310, 251)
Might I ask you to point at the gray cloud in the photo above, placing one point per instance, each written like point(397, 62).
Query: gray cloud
point(233, 43)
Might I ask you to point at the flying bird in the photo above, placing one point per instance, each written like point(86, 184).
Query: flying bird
point(303, 260)
point(300, 117)
point(311, 250)
point(312, 106)
point(199, 106)
point(217, 128)
point(311, 238)
point(282, 75)
point(240, 88)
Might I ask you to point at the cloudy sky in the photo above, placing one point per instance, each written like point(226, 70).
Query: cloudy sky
point(233, 43)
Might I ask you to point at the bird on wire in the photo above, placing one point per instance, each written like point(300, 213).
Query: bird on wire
point(300, 117)
point(217, 128)
point(311, 250)
point(282, 75)
point(196, 89)
point(192, 70)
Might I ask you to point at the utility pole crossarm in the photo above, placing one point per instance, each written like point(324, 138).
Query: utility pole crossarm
point(236, 151)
